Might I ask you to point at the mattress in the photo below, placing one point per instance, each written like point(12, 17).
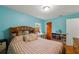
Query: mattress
point(39, 46)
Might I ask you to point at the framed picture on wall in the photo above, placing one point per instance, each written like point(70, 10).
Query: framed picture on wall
point(37, 27)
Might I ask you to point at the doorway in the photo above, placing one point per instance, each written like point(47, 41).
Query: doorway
point(49, 30)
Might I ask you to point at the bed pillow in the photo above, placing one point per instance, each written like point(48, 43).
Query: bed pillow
point(33, 36)
point(27, 38)
point(23, 32)
point(30, 37)
point(20, 38)
point(20, 33)
point(26, 32)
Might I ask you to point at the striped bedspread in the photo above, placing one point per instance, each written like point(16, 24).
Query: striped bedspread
point(40, 46)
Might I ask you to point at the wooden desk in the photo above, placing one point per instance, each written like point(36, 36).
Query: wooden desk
point(59, 36)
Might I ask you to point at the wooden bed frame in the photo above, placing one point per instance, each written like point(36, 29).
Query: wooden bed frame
point(21, 28)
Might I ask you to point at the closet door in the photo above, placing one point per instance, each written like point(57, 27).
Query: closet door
point(49, 30)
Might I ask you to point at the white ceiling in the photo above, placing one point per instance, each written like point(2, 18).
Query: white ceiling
point(37, 11)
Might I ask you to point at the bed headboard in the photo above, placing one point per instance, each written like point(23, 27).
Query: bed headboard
point(21, 28)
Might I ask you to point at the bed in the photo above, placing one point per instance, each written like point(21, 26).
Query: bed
point(37, 45)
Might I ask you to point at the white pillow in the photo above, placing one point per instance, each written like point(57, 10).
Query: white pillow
point(20, 32)
point(26, 32)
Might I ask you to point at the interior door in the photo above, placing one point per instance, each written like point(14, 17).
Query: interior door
point(72, 30)
point(49, 30)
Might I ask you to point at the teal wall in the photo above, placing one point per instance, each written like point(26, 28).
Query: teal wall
point(10, 18)
point(60, 22)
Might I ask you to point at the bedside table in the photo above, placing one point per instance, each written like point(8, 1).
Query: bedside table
point(3, 46)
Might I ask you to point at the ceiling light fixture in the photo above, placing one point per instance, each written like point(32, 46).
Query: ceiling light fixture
point(45, 8)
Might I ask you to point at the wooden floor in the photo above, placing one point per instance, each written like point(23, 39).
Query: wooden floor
point(71, 50)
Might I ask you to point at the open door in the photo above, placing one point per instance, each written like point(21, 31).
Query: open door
point(49, 30)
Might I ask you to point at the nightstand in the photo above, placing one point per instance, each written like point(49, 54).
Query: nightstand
point(3, 46)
